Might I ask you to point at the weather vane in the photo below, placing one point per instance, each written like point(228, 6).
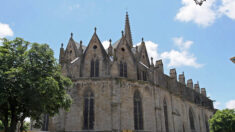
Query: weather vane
point(199, 2)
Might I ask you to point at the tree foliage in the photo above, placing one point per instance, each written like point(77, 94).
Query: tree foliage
point(223, 121)
point(31, 83)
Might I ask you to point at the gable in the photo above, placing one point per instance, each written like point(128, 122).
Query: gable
point(71, 51)
point(143, 55)
point(95, 49)
point(96, 52)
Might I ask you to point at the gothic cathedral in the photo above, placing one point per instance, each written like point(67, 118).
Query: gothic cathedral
point(120, 89)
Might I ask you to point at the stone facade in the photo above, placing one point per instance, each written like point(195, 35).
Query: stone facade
point(113, 76)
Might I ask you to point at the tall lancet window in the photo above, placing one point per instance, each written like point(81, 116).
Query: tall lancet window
point(138, 113)
point(207, 124)
point(144, 76)
point(191, 119)
point(97, 68)
point(123, 69)
point(94, 68)
point(166, 115)
point(88, 111)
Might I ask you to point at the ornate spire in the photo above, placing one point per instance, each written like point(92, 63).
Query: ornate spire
point(71, 35)
point(80, 43)
point(110, 42)
point(80, 50)
point(95, 29)
point(128, 31)
point(110, 49)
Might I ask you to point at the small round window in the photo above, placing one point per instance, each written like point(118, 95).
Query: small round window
point(123, 49)
point(94, 47)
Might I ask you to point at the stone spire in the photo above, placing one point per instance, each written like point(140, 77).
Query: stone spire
point(128, 31)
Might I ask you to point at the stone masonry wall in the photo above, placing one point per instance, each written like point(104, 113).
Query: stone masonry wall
point(114, 107)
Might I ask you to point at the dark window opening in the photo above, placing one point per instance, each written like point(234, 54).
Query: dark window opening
point(94, 68)
point(97, 68)
point(138, 113)
point(123, 69)
point(123, 49)
point(191, 119)
point(166, 115)
point(207, 124)
point(138, 75)
point(88, 111)
point(70, 51)
point(94, 47)
point(144, 76)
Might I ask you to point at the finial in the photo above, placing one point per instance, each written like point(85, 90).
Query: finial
point(142, 39)
point(95, 29)
point(110, 41)
point(197, 82)
point(62, 45)
point(183, 73)
point(71, 34)
point(127, 13)
point(122, 33)
point(80, 42)
point(151, 60)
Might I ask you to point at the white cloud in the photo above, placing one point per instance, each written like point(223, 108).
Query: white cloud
point(152, 49)
point(217, 105)
point(228, 8)
point(175, 58)
point(182, 45)
point(105, 44)
point(73, 7)
point(202, 15)
point(230, 104)
point(5, 30)
point(181, 57)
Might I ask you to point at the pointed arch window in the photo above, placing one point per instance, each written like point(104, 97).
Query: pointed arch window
point(94, 68)
point(123, 69)
point(207, 124)
point(88, 111)
point(144, 76)
point(166, 115)
point(97, 68)
point(191, 119)
point(183, 128)
point(138, 113)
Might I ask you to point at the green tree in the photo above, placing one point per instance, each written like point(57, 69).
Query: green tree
point(223, 121)
point(31, 83)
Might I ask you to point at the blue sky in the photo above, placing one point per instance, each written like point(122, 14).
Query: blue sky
point(196, 40)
